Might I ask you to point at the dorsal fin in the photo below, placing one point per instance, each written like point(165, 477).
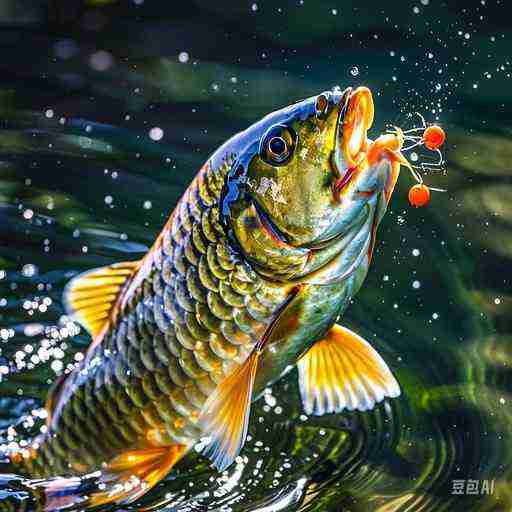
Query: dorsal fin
point(90, 297)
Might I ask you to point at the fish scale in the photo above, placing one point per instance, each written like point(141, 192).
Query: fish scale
point(199, 310)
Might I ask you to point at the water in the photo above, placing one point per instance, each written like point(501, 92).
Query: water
point(107, 110)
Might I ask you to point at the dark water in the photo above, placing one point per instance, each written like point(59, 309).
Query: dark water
point(82, 184)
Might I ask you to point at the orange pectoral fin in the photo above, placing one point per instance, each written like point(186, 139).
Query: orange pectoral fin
point(225, 415)
point(343, 371)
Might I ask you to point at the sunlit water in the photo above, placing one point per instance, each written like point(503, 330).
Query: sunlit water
point(101, 135)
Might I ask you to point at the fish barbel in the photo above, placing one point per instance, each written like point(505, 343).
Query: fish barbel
point(248, 277)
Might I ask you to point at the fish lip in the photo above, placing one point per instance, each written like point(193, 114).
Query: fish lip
point(355, 118)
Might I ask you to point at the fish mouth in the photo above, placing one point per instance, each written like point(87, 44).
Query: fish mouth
point(354, 151)
point(355, 118)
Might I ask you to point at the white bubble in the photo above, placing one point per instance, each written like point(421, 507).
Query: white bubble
point(497, 301)
point(57, 365)
point(101, 61)
point(156, 133)
point(49, 113)
point(416, 252)
point(416, 285)
point(147, 205)
point(354, 71)
point(29, 270)
point(108, 199)
point(183, 57)
point(467, 36)
point(254, 7)
point(28, 214)
point(270, 400)
point(215, 87)
point(416, 10)
point(414, 156)
point(334, 12)
point(435, 316)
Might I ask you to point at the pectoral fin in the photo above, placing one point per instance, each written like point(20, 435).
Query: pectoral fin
point(225, 415)
point(342, 371)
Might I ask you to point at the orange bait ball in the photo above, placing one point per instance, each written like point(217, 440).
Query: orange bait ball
point(419, 195)
point(433, 137)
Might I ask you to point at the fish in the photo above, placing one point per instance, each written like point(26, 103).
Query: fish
point(249, 278)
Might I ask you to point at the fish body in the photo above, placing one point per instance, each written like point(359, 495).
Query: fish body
point(261, 256)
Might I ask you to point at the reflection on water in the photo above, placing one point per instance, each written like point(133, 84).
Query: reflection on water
point(84, 183)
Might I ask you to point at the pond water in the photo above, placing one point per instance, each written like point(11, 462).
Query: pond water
point(108, 109)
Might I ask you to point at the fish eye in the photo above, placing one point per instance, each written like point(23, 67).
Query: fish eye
point(277, 148)
point(277, 145)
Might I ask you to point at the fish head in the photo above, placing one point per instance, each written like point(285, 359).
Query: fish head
point(308, 176)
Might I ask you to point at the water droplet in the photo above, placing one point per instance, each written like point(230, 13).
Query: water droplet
point(183, 57)
point(29, 270)
point(101, 61)
point(156, 133)
point(354, 71)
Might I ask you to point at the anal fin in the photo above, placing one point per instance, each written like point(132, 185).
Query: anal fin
point(122, 481)
point(342, 371)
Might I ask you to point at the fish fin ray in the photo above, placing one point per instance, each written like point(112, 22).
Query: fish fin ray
point(122, 481)
point(90, 297)
point(225, 415)
point(343, 371)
